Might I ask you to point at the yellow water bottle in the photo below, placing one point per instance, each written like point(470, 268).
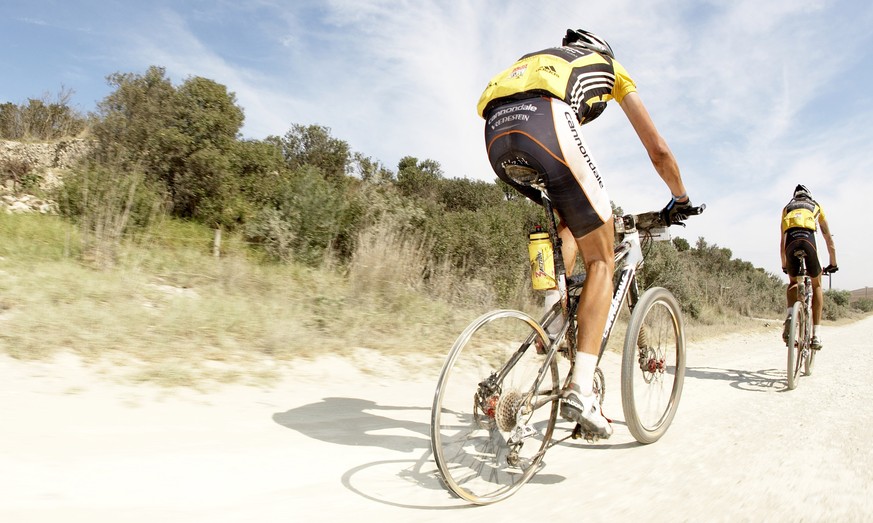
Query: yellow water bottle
point(542, 259)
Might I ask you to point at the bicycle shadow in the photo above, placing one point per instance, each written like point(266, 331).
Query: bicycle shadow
point(765, 380)
point(359, 422)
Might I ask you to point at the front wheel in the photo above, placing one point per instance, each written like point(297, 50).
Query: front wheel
point(795, 345)
point(653, 365)
point(495, 407)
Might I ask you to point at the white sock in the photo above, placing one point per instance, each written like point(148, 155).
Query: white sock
point(583, 373)
point(788, 312)
point(815, 330)
point(553, 296)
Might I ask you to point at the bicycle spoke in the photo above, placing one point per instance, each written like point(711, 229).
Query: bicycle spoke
point(653, 365)
point(494, 409)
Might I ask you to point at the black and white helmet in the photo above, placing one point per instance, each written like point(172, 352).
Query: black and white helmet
point(801, 191)
point(587, 40)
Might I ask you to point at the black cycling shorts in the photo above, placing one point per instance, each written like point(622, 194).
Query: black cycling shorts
point(543, 133)
point(804, 240)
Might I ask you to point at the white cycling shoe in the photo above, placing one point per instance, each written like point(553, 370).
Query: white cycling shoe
point(585, 410)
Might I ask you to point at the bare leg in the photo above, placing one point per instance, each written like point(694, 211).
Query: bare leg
point(580, 404)
point(597, 253)
point(791, 292)
point(568, 247)
point(817, 300)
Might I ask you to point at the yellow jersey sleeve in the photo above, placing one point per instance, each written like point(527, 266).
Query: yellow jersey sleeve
point(623, 83)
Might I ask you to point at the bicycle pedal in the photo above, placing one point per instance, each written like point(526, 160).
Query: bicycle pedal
point(579, 433)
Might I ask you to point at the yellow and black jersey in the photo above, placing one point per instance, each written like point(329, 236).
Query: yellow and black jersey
point(583, 79)
point(801, 213)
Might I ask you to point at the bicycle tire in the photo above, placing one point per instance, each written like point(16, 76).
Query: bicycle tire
point(653, 365)
point(487, 394)
point(809, 362)
point(795, 345)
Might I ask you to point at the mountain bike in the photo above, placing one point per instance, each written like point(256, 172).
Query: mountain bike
point(800, 351)
point(496, 402)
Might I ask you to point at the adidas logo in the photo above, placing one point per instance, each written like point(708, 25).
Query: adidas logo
point(548, 69)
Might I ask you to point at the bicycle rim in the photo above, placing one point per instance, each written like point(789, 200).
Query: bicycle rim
point(795, 345)
point(494, 408)
point(809, 362)
point(653, 365)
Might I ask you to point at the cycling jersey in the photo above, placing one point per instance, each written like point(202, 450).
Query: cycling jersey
point(582, 78)
point(801, 213)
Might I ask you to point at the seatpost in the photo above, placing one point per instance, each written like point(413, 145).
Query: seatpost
point(560, 268)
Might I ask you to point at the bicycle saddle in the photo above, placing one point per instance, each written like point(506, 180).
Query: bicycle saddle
point(522, 174)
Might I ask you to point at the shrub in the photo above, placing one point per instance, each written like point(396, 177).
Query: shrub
point(863, 305)
point(20, 173)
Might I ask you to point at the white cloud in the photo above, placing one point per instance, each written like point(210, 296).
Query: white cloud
point(752, 96)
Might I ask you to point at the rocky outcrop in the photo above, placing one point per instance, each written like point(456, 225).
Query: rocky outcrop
point(49, 160)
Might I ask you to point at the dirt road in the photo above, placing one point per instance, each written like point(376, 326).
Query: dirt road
point(334, 443)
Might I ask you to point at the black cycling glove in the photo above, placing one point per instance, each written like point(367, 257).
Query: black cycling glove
point(676, 212)
point(830, 269)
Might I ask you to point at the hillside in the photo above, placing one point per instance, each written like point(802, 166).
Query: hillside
point(860, 294)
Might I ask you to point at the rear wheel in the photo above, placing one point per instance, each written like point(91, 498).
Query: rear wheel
point(795, 345)
point(495, 407)
point(809, 362)
point(653, 365)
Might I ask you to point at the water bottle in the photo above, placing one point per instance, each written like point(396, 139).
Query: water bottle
point(542, 259)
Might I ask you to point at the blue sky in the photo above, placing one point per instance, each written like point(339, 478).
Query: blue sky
point(753, 96)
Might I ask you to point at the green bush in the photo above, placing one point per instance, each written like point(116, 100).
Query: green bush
point(41, 119)
point(840, 298)
point(863, 305)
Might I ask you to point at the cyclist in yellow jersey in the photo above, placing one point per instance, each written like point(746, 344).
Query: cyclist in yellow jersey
point(533, 112)
point(800, 219)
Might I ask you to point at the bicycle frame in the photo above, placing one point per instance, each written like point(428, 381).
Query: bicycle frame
point(800, 351)
point(804, 296)
point(628, 259)
point(628, 256)
point(804, 290)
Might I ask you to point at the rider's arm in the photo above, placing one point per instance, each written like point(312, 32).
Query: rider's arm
point(660, 154)
point(829, 240)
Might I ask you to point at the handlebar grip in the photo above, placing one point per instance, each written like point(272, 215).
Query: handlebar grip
point(685, 214)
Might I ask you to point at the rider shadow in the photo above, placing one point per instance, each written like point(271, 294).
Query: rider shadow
point(357, 422)
point(752, 381)
point(352, 422)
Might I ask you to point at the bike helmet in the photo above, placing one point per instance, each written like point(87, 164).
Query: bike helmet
point(802, 192)
point(587, 40)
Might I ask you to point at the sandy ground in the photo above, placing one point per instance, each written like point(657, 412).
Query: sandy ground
point(334, 443)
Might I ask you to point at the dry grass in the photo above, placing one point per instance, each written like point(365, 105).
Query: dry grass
point(168, 312)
